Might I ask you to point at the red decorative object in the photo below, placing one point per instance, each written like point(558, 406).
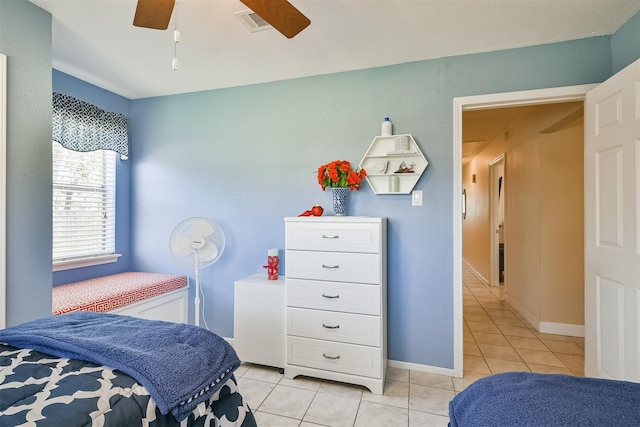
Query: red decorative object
point(314, 211)
point(272, 267)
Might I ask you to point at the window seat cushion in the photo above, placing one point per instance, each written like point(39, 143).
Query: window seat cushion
point(107, 293)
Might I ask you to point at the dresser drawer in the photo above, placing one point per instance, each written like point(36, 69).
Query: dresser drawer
point(334, 266)
point(333, 356)
point(335, 296)
point(339, 237)
point(333, 326)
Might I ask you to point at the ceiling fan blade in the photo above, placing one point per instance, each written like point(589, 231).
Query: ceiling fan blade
point(154, 14)
point(281, 14)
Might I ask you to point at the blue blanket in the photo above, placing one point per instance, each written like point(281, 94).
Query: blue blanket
point(180, 365)
point(528, 399)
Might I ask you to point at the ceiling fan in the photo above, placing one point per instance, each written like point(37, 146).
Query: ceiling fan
point(281, 14)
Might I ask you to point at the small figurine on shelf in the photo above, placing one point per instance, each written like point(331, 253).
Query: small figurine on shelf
point(272, 264)
point(406, 169)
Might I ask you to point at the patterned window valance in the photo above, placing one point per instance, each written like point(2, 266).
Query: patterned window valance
point(80, 126)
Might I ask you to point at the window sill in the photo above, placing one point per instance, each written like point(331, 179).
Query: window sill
point(85, 262)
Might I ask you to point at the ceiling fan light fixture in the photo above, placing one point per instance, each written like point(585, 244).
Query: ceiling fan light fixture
point(262, 14)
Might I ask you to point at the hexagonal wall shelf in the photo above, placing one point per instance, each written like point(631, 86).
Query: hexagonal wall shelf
point(391, 170)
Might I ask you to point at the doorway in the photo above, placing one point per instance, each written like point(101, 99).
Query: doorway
point(497, 228)
point(482, 102)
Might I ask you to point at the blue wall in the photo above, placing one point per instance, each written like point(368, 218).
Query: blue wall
point(625, 44)
point(107, 101)
point(25, 37)
point(247, 157)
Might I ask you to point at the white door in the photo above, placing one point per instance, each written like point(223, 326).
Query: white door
point(612, 227)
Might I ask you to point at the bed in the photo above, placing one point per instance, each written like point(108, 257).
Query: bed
point(529, 399)
point(101, 369)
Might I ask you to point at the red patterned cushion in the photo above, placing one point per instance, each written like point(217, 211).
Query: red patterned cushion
point(110, 292)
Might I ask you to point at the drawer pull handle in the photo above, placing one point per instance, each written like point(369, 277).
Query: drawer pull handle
point(330, 296)
point(331, 357)
point(330, 327)
point(331, 237)
point(330, 266)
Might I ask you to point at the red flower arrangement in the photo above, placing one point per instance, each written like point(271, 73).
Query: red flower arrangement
point(338, 174)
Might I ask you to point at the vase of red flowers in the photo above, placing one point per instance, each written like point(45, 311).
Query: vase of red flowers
point(339, 176)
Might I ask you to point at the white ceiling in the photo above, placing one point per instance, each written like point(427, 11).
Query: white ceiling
point(95, 40)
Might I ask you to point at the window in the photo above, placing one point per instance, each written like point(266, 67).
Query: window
point(83, 207)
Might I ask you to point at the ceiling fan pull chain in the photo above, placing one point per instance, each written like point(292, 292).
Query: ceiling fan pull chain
point(176, 40)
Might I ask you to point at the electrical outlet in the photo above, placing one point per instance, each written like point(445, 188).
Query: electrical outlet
point(416, 198)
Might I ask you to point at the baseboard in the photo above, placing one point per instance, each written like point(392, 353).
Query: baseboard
point(475, 273)
point(562, 329)
point(528, 316)
point(421, 368)
point(547, 327)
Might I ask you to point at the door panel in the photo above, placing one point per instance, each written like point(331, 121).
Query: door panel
point(609, 197)
point(610, 317)
point(612, 260)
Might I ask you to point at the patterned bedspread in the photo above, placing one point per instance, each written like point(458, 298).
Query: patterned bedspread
point(41, 390)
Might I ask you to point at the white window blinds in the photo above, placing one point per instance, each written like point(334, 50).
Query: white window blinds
point(83, 203)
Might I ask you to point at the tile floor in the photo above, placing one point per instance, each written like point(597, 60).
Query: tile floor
point(496, 339)
point(411, 398)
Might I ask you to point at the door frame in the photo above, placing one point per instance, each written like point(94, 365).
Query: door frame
point(483, 102)
point(494, 270)
point(3, 190)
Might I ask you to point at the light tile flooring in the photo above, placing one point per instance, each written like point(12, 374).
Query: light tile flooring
point(411, 398)
point(496, 339)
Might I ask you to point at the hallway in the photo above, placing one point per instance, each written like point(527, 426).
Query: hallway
point(497, 339)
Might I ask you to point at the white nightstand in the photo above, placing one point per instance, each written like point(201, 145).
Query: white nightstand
point(259, 325)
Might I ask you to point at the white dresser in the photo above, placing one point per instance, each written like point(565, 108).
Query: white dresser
point(336, 299)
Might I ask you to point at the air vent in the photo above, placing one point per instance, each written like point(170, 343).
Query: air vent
point(253, 21)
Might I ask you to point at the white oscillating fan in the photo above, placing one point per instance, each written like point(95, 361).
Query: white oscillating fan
point(197, 243)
